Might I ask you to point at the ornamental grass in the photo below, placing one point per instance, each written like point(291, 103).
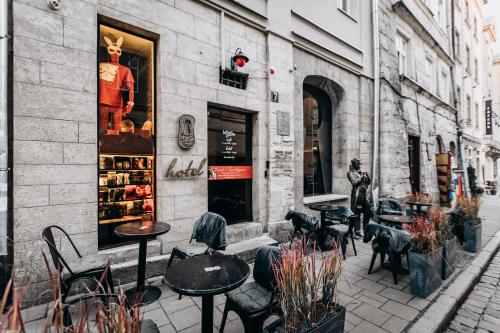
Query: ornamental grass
point(101, 313)
point(470, 207)
point(440, 220)
point(308, 292)
point(423, 235)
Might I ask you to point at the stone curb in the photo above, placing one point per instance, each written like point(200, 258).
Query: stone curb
point(438, 315)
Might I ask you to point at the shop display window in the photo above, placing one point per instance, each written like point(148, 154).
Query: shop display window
point(230, 165)
point(126, 111)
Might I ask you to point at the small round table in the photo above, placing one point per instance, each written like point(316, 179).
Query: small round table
point(418, 205)
point(322, 208)
point(395, 220)
point(142, 231)
point(205, 276)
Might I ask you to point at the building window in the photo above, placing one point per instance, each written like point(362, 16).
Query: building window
point(474, 27)
point(429, 73)
point(345, 5)
point(459, 98)
point(467, 59)
point(402, 53)
point(468, 110)
point(442, 14)
point(458, 46)
point(443, 86)
point(317, 142)
point(476, 115)
point(476, 70)
point(126, 131)
point(467, 12)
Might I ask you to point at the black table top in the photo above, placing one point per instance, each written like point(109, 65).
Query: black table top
point(322, 207)
point(142, 229)
point(395, 218)
point(207, 275)
point(419, 203)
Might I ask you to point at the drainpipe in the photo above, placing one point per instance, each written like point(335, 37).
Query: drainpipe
point(376, 102)
point(5, 98)
point(460, 146)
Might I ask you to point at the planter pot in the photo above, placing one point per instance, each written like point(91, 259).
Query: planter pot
point(425, 272)
point(448, 258)
point(332, 324)
point(472, 236)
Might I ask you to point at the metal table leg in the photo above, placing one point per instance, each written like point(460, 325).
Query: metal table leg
point(207, 314)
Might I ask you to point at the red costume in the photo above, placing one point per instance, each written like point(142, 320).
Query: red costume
point(113, 79)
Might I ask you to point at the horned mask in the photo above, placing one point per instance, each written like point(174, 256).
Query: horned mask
point(114, 49)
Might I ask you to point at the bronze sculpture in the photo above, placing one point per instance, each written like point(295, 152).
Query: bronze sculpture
point(361, 201)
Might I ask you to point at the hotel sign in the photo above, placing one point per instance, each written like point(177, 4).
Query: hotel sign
point(489, 117)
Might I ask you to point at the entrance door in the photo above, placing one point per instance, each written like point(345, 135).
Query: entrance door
point(414, 162)
point(230, 165)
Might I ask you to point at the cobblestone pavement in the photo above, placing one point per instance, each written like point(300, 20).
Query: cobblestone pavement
point(373, 302)
point(481, 311)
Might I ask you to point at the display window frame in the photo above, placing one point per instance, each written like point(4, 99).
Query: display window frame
point(154, 39)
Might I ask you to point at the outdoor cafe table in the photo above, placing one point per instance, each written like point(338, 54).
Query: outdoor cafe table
point(142, 231)
point(205, 276)
point(396, 221)
point(322, 208)
point(418, 205)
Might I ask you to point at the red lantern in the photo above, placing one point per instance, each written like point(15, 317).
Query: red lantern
point(239, 59)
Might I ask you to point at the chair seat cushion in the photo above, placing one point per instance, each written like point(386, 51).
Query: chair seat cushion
point(251, 297)
point(193, 249)
point(85, 264)
point(339, 229)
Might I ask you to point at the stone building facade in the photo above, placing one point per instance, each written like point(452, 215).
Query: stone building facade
point(292, 47)
point(418, 116)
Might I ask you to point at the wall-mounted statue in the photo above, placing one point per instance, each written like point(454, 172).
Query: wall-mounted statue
point(186, 137)
point(114, 78)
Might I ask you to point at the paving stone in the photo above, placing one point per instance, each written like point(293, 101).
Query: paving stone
point(465, 321)
point(185, 318)
point(488, 326)
point(479, 298)
point(173, 304)
point(395, 324)
point(365, 327)
point(370, 285)
point(368, 300)
point(469, 314)
point(352, 318)
point(396, 295)
point(418, 303)
point(400, 310)
point(461, 328)
point(491, 312)
point(492, 319)
point(158, 316)
point(167, 329)
point(374, 296)
point(372, 314)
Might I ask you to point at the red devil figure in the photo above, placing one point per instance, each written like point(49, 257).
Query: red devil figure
point(113, 79)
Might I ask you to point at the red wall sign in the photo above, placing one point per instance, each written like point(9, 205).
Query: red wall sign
point(223, 172)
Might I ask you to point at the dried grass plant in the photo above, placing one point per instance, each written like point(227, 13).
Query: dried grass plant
point(423, 235)
point(470, 208)
point(308, 292)
point(112, 315)
point(440, 220)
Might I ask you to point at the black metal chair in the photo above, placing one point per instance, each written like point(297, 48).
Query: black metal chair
point(304, 225)
point(254, 302)
point(387, 206)
point(209, 234)
point(342, 229)
point(88, 267)
point(382, 245)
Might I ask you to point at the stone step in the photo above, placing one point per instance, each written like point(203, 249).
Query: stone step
point(131, 252)
point(126, 272)
point(243, 231)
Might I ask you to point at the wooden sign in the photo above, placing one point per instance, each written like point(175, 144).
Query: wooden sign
point(189, 172)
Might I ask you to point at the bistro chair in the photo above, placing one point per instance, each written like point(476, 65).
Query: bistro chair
point(387, 206)
point(254, 302)
point(388, 241)
point(89, 267)
point(304, 225)
point(209, 234)
point(342, 229)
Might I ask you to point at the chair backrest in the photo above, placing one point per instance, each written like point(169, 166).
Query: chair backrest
point(210, 229)
point(57, 258)
point(388, 205)
point(341, 214)
point(265, 258)
point(302, 221)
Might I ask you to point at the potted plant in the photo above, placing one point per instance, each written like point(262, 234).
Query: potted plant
point(308, 292)
point(424, 257)
point(469, 208)
point(445, 239)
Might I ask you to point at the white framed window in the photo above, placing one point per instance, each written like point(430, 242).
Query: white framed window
point(459, 98)
point(458, 46)
point(402, 53)
point(474, 27)
point(476, 69)
point(468, 110)
point(476, 115)
point(442, 14)
point(467, 12)
point(443, 85)
point(345, 5)
point(467, 59)
point(429, 73)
